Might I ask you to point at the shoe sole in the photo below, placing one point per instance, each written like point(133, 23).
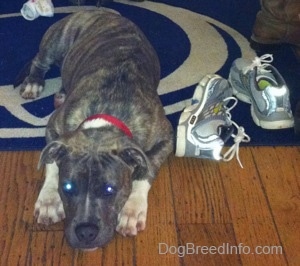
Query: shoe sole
point(180, 141)
point(182, 129)
point(281, 124)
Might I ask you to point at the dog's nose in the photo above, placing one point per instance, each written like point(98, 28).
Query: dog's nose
point(86, 232)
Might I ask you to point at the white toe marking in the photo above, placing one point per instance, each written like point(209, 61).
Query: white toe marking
point(132, 217)
point(32, 90)
point(48, 207)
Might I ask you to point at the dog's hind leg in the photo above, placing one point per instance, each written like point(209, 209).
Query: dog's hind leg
point(34, 73)
point(31, 80)
point(34, 83)
point(51, 51)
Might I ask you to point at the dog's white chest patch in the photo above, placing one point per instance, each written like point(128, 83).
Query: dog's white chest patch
point(95, 123)
point(102, 120)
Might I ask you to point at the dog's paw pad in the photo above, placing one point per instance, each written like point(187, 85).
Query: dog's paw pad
point(31, 90)
point(132, 217)
point(49, 208)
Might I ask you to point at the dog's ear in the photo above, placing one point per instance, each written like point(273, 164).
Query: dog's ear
point(52, 152)
point(137, 159)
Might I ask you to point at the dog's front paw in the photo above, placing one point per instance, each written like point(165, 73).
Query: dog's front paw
point(31, 88)
point(48, 208)
point(132, 217)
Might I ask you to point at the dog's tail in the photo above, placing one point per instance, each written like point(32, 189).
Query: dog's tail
point(22, 74)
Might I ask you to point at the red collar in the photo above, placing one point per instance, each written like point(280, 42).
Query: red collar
point(99, 120)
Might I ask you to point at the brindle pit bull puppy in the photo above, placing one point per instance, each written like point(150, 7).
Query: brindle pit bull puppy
point(107, 141)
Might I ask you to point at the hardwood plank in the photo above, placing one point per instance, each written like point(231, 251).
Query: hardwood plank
point(49, 248)
point(120, 251)
point(256, 238)
point(161, 224)
point(199, 195)
point(148, 243)
point(90, 258)
point(17, 178)
point(244, 192)
point(212, 244)
point(160, 201)
point(289, 235)
point(192, 200)
point(209, 244)
point(281, 180)
point(251, 215)
point(279, 170)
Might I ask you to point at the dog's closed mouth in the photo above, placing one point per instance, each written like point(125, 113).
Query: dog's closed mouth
point(89, 249)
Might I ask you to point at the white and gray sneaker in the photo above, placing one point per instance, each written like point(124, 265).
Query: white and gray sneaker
point(260, 84)
point(206, 125)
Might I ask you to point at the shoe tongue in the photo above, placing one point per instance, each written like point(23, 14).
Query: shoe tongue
point(265, 79)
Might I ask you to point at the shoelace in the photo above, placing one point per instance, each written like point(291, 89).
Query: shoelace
point(241, 136)
point(261, 62)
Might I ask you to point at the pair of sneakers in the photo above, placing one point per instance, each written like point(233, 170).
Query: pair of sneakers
point(206, 125)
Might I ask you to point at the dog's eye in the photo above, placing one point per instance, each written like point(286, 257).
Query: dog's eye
point(69, 188)
point(108, 190)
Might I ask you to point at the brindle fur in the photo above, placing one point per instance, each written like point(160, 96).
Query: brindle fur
point(107, 66)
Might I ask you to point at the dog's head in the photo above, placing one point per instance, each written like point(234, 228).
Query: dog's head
point(95, 178)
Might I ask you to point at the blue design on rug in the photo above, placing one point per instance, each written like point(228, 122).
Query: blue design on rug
point(192, 38)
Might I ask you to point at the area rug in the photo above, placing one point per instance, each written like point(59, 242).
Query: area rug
point(192, 38)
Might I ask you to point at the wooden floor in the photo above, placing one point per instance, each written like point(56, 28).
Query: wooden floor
point(200, 213)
